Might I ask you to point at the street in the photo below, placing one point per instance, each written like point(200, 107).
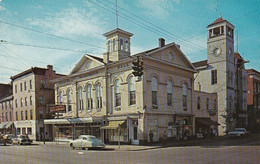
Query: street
point(238, 151)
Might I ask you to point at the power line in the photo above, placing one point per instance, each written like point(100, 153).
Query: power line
point(43, 47)
point(48, 34)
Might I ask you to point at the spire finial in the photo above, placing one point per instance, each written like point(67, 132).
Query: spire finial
point(220, 15)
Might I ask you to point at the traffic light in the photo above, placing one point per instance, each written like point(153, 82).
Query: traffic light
point(137, 68)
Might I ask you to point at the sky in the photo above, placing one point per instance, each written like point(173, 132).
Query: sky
point(40, 33)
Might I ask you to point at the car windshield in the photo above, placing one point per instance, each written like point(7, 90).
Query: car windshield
point(24, 137)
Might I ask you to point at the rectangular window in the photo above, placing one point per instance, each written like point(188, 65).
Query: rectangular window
point(30, 100)
point(26, 115)
point(154, 98)
point(29, 131)
point(132, 98)
point(23, 130)
point(69, 107)
point(21, 102)
point(213, 76)
point(21, 87)
point(30, 84)
point(21, 115)
point(169, 99)
point(184, 102)
point(31, 114)
point(25, 101)
point(5, 105)
point(16, 103)
point(6, 116)
point(10, 116)
point(18, 131)
point(2, 106)
point(16, 116)
point(118, 99)
point(25, 86)
point(15, 88)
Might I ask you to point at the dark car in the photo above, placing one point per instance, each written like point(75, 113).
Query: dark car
point(5, 140)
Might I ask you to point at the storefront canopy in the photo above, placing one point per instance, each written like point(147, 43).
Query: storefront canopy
point(72, 120)
point(5, 125)
point(206, 121)
point(114, 124)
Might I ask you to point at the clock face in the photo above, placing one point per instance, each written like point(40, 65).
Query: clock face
point(217, 51)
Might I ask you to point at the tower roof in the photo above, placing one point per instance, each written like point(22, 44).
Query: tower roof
point(117, 30)
point(219, 20)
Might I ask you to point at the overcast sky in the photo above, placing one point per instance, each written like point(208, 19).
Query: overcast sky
point(60, 32)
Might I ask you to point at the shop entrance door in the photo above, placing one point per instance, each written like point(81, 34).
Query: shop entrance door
point(135, 140)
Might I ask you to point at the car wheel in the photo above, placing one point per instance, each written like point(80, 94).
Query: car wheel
point(18, 143)
point(72, 147)
point(5, 144)
point(83, 148)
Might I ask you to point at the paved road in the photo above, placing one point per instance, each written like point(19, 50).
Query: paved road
point(244, 152)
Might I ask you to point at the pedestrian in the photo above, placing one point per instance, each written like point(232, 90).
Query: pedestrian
point(164, 138)
point(151, 136)
point(180, 134)
point(213, 132)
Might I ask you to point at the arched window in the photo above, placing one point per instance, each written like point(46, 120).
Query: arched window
point(69, 101)
point(126, 46)
point(99, 95)
point(131, 91)
point(207, 104)
point(121, 44)
point(198, 103)
point(60, 97)
point(169, 93)
point(154, 91)
point(109, 46)
point(184, 96)
point(89, 97)
point(80, 99)
point(114, 44)
point(117, 94)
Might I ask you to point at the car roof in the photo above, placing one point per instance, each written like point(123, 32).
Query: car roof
point(86, 136)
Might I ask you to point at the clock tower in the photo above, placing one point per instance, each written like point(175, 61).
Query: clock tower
point(220, 43)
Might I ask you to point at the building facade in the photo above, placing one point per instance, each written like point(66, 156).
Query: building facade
point(253, 100)
point(220, 74)
point(6, 120)
point(32, 91)
point(103, 98)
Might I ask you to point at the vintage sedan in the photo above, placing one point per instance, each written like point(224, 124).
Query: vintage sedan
point(22, 140)
point(239, 132)
point(86, 142)
point(5, 140)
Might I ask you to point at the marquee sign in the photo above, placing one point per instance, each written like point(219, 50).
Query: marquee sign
point(57, 108)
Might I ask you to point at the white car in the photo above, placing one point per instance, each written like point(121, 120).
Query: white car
point(239, 132)
point(22, 140)
point(86, 141)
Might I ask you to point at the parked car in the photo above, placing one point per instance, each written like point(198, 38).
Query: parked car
point(239, 132)
point(22, 140)
point(5, 140)
point(86, 141)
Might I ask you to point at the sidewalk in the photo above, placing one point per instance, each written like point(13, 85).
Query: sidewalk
point(194, 142)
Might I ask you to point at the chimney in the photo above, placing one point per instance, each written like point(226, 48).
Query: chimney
point(161, 42)
point(49, 67)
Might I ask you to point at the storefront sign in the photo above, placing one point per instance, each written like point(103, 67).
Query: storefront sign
point(57, 108)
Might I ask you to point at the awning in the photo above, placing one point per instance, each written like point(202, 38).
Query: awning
point(205, 121)
point(5, 125)
point(114, 125)
point(72, 120)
